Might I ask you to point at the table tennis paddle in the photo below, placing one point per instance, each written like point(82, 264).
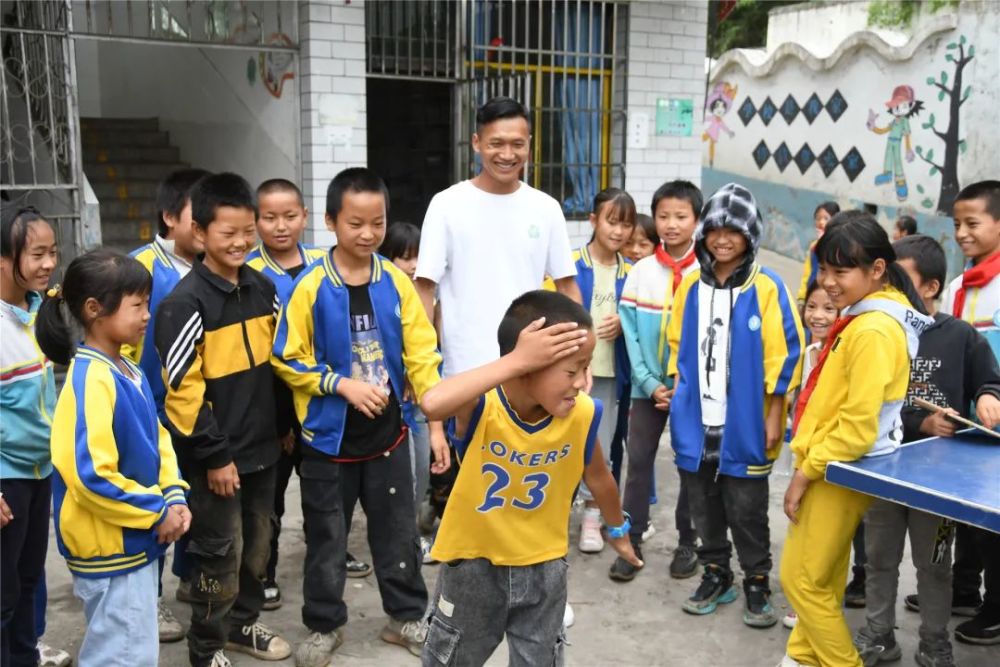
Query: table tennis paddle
point(958, 419)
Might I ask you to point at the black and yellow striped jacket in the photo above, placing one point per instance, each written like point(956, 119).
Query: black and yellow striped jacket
point(214, 340)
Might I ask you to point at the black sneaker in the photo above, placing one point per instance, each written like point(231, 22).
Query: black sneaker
point(854, 596)
point(716, 588)
point(758, 612)
point(983, 630)
point(357, 568)
point(874, 648)
point(259, 641)
point(272, 595)
point(621, 569)
point(685, 562)
point(966, 606)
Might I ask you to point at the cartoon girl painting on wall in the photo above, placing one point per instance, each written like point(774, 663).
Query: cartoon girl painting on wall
point(902, 107)
point(718, 104)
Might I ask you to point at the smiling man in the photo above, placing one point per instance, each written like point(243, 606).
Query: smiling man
point(487, 240)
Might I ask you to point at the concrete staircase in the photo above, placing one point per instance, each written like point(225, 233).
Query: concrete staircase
point(124, 160)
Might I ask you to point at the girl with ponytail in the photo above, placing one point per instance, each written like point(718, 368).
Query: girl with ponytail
point(849, 408)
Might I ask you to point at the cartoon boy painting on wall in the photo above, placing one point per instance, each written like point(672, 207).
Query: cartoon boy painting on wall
point(718, 104)
point(902, 107)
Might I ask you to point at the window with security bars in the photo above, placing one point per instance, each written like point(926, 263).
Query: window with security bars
point(564, 59)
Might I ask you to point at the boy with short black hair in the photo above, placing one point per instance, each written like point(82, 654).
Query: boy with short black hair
point(214, 336)
point(351, 339)
point(645, 311)
point(954, 369)
point(527, 436)
point(281, 218)
point(735, 344)
point(168, 258)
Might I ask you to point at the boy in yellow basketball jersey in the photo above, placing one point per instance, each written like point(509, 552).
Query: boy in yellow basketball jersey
point(526, 437)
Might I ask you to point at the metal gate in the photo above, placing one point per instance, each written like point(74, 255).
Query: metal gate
point(40, 140)
point(565, 59)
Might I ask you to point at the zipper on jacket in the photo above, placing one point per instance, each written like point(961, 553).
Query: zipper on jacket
point(243, 327)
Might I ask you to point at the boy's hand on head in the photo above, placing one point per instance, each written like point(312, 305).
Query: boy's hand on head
point(623, 546)
point(793, 496)
point(610, 328)
point(988, 410)
point(440, 450)
point(938, 424)
point(537, 347)
point(224, 481)
point(6, 516)
point(661, 398)
point(368, 399)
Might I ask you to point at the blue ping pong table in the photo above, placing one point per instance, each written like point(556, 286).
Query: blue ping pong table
point(957, 478)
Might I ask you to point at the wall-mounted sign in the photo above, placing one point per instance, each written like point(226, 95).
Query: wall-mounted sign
point(674, 117)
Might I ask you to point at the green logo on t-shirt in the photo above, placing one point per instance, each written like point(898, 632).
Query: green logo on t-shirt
point(534, 232)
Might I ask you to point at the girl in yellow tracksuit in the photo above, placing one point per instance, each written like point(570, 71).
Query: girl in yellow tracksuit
point(850, 408)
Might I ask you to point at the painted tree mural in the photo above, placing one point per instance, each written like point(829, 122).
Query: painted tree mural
point(959, 54)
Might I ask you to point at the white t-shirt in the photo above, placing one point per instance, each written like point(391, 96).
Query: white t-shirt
point(484, 251)
point(714, 313)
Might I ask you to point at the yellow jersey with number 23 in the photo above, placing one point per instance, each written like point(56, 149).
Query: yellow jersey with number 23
point(511, 501)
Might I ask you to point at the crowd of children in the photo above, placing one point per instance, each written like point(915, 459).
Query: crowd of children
point(226, 354)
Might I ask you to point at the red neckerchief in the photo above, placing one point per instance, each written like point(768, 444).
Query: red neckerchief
point(831, 339)
point(675, 265)
point(978, 276)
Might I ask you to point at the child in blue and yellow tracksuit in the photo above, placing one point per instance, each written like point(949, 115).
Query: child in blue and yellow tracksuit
point(600, 274)
point(735, 344)
point(118, 496)
point(352, 343)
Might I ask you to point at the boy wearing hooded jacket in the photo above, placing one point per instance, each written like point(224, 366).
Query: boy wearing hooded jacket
point(735, 343)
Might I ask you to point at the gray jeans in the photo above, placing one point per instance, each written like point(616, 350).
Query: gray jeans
point(885, 534)
point(477, 603)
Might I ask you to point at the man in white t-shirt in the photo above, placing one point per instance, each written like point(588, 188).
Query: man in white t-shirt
point(487, 240)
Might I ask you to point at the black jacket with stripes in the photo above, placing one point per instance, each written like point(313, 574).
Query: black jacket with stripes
point(214, 340)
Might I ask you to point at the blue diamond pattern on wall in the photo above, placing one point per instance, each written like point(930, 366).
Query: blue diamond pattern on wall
point(812, 108)
point(853, 163)
point(767, 111)
point(789, 109)
point(836, 105)
point(761, 154)
point(828, 161)
point(804, 158)
point(747, 111)
point(782, 156)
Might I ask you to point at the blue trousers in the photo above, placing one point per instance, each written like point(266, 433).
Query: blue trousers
point(121, 619)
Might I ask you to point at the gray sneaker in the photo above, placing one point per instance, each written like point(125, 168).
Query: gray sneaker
point(317, 650)
point(874, 648)
point(49, 656)
point(684, 563)
point(169, 627)
point(934, 656)
point(408, 634)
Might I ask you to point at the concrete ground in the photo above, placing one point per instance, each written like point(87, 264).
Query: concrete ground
point(639, 623)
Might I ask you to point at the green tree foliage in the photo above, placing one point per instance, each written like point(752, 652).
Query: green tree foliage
point(744, 28)
point(900, 13)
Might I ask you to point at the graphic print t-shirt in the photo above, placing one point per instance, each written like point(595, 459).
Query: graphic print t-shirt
point(364, 437)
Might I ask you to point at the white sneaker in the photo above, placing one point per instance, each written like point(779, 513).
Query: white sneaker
point(789, 661)
point(425, 550)
point(649, 532)
point(790, 620)
point(569, 618)
point(49, 656)
point(170, 629)
point(591, 541)
point(220, 660)
point(317, 650)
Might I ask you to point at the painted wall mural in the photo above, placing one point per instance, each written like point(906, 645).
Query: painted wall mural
point(717, 105)
point(873, 121)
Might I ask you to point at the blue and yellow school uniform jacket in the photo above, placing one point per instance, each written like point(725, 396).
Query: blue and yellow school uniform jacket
point(512, 499)
point(165, 279)
point(855, 407)
point(312, 346)
point(585, 281)
point(765, 348)
point(116, 469)
point(809, 272)
point(981, 309)
point(260, 259)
